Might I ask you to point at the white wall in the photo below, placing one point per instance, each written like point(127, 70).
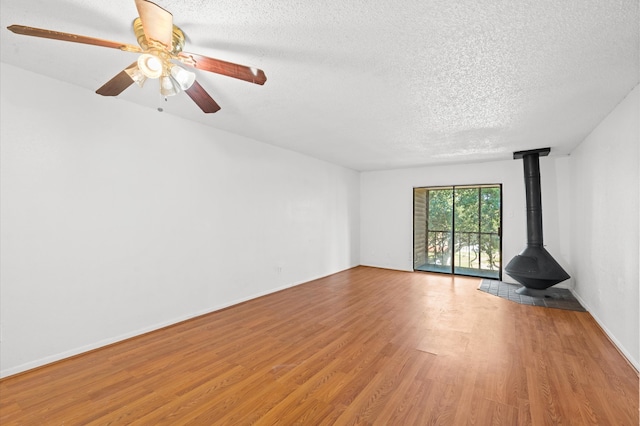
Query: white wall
point(117, 221)
point(387, 208)
point(605, 224)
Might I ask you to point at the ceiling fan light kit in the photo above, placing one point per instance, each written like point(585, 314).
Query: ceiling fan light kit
point(150, 65)
point(182, 77)
point(136, 75)
point(167, 87)
point(161, 46)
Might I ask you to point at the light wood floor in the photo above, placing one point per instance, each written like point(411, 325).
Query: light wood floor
point(365, 346)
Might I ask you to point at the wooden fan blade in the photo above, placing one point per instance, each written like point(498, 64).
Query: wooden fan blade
point(156, 22)
point(242, 72)
point(202, 98)
point(56, 35)
point(117, 84)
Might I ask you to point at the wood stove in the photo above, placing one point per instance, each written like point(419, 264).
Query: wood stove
point(534, 267)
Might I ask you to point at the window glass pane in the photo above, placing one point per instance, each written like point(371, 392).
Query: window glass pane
point(439, 221)
point(439, 209)
point(490, 210)
point(457, 230)
point(490, 227)
point(466, 210)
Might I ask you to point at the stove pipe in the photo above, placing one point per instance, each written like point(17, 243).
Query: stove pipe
point(534, 267)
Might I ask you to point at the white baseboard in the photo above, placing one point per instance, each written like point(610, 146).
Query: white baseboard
point(102, 343)
point(633, 362)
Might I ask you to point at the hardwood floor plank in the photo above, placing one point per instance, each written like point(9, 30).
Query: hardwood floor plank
point(364, 346)
point(399, 401)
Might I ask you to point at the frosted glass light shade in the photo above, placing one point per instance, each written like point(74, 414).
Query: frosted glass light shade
point(184, 78)
point(150, 65)
point(168, 86)
point(136, 75)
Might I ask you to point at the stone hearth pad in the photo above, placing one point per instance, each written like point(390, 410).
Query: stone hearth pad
point(558, 298)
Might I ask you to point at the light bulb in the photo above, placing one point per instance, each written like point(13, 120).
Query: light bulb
point(136, 75)
point(184, 78)
point(168, 86)
point(150, 65)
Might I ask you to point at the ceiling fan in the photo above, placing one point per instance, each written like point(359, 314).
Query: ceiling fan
point(161, 57)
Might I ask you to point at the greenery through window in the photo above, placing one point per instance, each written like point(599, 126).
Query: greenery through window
point(457, 230)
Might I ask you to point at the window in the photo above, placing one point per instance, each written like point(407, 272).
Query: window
point(457, 230)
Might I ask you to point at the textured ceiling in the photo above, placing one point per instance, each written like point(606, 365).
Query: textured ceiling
point(370, 84)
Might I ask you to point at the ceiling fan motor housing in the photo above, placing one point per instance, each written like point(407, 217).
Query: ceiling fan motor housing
point(177, 40)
